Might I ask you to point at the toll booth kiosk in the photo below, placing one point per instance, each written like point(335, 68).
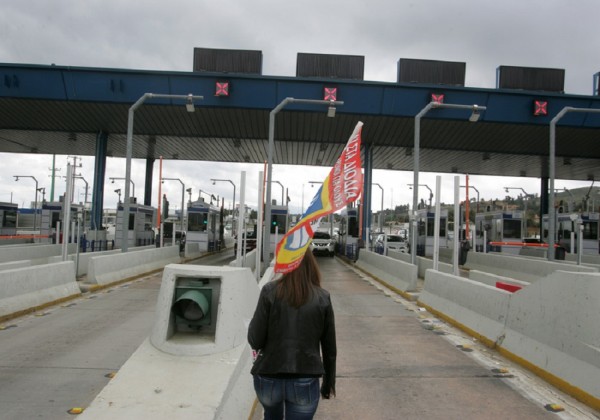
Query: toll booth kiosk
point(8, 218)
point(203, 225)
point(425, 231)
point(567, 223)
point(349, 232)
point(142, 219)
point(500, 226)
point(279, 224)
point(52, 213)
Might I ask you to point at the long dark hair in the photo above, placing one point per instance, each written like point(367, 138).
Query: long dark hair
point(297, 286)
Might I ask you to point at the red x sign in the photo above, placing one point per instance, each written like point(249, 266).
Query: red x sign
point(330, 94)
point(222, 89)
point(540, 108)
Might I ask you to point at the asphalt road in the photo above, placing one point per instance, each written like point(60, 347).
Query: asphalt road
point(61, 358)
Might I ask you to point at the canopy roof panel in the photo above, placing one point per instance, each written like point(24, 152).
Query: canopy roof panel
point(60, 110)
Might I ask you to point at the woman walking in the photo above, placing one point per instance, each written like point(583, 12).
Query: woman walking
point(292, 325)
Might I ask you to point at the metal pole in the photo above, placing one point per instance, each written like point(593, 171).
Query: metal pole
point(67, 212)
point(271, 145)
point(241, 216)
point(475, 109)
point(436, 223)
point(52, 182)
point(259, 229)
point(416, 147)
point(456, 224)
point(129, 154)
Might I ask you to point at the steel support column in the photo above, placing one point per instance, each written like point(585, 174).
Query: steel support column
point(148, 182)
point(366, 195)
point(543, 204)
point(98, 187)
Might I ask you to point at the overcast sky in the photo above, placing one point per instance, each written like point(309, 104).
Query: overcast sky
point(161, 35)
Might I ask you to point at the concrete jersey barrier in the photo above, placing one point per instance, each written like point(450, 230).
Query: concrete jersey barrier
point(24, 289)
point(520, 268)
point(84, 257)
point(399, 274)
point(37, 254)
point(549, 326)
point(111, 268)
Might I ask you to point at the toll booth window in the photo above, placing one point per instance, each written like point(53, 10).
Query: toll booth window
point(430, 226)
point(55, 218)
point(197, 222)
point(352, 227)
point(131, 221)
point(9, 220)
point(512, 229)
point(590, 230)
point(278, 221)
point(421, 228)
point(442, 227)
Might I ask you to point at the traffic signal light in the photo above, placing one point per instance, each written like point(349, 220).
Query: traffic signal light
point(193, 301)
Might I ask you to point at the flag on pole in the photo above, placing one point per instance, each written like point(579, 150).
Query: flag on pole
point(342, 186)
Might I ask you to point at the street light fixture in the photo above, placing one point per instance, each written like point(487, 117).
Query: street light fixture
point(282, 191)
point(36, 196)
point(271, 146)
point(112, 180)
point(410, 186)
point(551, 170)
point(182, 201)
point(189, 106)
point(474, 116)
point(233, 207)
point(86, 187)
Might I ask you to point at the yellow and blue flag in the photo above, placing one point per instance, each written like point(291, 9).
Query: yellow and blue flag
point(342, 186)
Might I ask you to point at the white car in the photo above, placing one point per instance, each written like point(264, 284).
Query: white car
point(394, 242)
point(322, 243)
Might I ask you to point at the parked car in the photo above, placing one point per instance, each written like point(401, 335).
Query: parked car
point(394, 242)
point(250, 238)
point(322, 243)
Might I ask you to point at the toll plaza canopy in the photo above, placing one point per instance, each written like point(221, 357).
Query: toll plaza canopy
point(62, 110)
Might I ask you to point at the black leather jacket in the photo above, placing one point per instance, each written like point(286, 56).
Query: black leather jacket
point(288, 339)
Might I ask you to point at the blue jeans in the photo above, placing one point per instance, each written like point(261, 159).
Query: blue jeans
point(298, 397)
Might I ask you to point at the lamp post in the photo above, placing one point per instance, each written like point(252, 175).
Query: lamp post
point(113, 179)
point(282, 191)
point(86, 187)
point(551, 164)
point(475, 113)
point(36, 196)
point(43, 191)
point(330, 113)
point(182, 201)
point(233, 207)
point(426, 186)
point(189, 106)
point(381, 214)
